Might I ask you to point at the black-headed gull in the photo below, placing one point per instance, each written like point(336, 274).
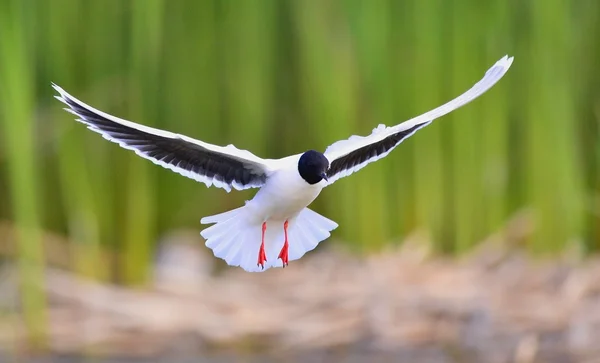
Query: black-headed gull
point(276, 226)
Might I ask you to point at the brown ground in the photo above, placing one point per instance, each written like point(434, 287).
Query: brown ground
point(401, 305)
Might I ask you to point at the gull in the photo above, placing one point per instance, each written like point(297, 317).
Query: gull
point(275, 226)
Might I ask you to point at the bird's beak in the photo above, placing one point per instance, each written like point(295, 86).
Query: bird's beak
point(324, 176)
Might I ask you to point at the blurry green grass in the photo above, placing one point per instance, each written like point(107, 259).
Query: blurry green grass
point(280, 77)
point(17, 107)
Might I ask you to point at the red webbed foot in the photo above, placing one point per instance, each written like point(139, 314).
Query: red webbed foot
point(283, 255)
point(262, 256)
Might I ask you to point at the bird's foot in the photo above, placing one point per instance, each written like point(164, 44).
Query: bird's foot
point(283, 255)
point(262, 256)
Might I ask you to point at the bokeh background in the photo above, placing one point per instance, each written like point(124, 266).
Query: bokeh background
point(280, 77)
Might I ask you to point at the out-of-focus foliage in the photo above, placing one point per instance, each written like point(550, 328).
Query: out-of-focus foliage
point(280, 77)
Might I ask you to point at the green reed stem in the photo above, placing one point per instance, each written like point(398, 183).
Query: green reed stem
point(17, 121)
point(144, 96)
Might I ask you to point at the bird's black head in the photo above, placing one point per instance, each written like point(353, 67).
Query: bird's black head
point(313, 167)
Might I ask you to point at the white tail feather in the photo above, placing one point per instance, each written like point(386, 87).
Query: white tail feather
point(235, 239)
point(220, 217)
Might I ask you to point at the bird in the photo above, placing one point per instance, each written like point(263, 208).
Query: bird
point(275, 226)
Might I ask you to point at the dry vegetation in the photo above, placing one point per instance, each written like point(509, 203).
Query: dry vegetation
point(494, 305)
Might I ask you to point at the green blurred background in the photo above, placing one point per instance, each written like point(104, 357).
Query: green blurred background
point(280, 77)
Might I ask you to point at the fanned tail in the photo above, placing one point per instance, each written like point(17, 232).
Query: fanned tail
point(235, 238)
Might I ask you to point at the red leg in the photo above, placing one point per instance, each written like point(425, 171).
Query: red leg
point(262, 256)
point(284, 251)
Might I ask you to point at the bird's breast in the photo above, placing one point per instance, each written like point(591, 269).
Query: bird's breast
point(284, 195)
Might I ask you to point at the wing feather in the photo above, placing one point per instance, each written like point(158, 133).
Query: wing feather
point(224, 167)
point(348, 156)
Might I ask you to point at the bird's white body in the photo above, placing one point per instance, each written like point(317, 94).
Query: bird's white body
point(287, 186)
point(236, 235)
point(286, 194)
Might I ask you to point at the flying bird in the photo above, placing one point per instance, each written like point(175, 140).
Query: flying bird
point(275, 226)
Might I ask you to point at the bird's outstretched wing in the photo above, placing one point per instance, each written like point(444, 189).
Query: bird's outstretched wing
point(224, 167)
point(347, 156)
